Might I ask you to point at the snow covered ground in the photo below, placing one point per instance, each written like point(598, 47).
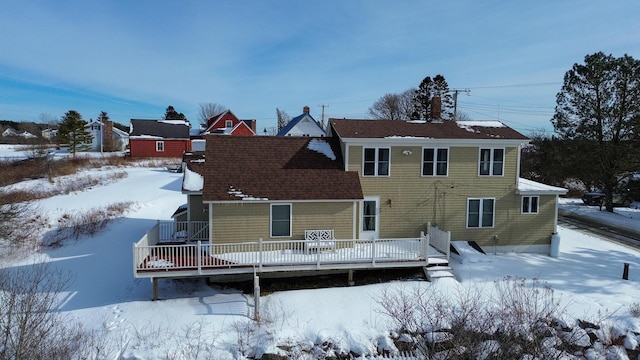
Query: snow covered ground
point(105, 296)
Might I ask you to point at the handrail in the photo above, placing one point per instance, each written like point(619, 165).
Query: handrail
point(277, 253)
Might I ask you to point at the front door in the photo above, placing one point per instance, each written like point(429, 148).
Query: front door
point(370, 218)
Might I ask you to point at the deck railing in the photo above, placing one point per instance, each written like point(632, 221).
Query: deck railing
point(440, 239)
point(262, 254)
point(182, 231)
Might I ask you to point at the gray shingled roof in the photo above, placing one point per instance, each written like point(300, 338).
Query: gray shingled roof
point(160, 128)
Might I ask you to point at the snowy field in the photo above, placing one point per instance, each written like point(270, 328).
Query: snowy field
point(105, 296)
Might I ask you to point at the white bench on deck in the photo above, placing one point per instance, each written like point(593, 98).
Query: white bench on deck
point(319, 240)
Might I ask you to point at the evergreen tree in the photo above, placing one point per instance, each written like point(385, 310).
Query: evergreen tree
point(72, 131)
point(599, 108)
point(428, 89)
point(172, 114)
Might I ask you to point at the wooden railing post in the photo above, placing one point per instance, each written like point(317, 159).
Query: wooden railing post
point(199, 250)
point(373, 251)
point(260, 253)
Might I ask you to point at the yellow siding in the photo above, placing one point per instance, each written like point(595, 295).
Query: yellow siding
point(408, 200)
point(250, 222)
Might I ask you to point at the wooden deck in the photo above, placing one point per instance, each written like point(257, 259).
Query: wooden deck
point(163, 256)
point(204, 259)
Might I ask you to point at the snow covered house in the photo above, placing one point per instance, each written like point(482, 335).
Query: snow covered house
point(371, 194)
point(159, 138)
point(227, 123)
point(303, 125)
point(106, 137)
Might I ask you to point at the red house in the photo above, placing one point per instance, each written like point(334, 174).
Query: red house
point(159, 138)
point(227, 123)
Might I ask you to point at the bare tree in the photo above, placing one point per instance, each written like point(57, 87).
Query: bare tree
point(208, 110)
point(283, 118)
point(30, 325)
point(393, 106)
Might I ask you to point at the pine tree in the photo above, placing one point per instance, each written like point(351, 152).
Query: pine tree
point(72, 131)
point(599, 107)
point(172, 114)
point(428, 89)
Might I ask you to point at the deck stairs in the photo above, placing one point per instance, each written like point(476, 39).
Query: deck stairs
point(438, 271)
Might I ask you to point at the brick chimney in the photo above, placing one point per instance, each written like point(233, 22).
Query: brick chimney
point(108, 130)
point(436, 109)
point(305, 110)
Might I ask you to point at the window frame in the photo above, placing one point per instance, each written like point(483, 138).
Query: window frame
point(530, 205)
point(376, 162)
point(271, 220)
point(481, 213)
point(228, 124)
point(492, 161)
point(159, 146)
point(436, 160)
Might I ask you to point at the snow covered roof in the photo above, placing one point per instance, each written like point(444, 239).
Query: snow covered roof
point(397, 129)
point(192, 181)
point(530, 187)
point(168, 129)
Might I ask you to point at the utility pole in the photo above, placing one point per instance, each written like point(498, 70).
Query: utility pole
point(322, 121)
point(455, 100)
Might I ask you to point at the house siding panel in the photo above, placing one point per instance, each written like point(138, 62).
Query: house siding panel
point(250, 222)
point(147, 147)
point(197, 208)
point(409, 201)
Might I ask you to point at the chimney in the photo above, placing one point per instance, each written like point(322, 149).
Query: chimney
point(305, 110)
point(108, 130)
point(436, 109)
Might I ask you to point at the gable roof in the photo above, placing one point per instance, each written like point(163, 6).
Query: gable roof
point(384, 129)
point(168, 129)
point(261, 168)
point(295, 121)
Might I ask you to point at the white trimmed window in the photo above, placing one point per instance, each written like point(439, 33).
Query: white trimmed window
point(491, 162)
point(228, 123)
point(280, 220)
point(530, 204)
point(435, 162)
point(376, 162)
point(159, 146)
point(480, 213)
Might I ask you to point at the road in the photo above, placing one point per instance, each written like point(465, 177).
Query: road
point(599, 229)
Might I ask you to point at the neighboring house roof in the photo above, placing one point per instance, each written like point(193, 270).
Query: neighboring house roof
point(265, 168)
point(119, 132)
point(387, 129)
point(302, 125)
point(168, 129)
point(216, 124)
point(530, 187)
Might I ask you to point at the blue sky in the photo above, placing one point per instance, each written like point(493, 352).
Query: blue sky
point(134, 58)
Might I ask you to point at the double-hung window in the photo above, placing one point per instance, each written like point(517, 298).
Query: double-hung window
point(228, 123)
point(376, 162)
point(530, 204)
point(480, 213)
point(435, 162)
point(280, 220)
point(159, 146)
point(491, 162)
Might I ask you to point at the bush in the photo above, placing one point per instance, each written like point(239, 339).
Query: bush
point(30, 326)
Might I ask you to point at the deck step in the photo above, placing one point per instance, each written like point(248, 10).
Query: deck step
point(438, 272)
